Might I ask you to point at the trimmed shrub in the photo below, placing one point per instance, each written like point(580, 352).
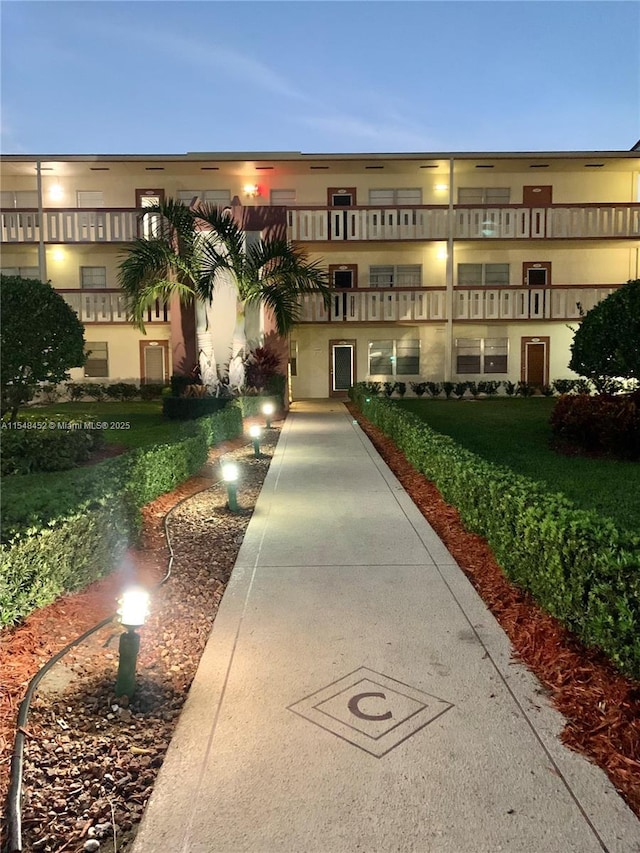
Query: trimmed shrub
point(121, 391)
point(25, 451)
point(63, 531)
point(190, 408)
point(251, 405)
point(576, 564)
point(600, 423)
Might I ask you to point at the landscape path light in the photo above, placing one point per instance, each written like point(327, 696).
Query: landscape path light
point(255, 432)
point(230, 476)
point(133, 611)
point(267, 411)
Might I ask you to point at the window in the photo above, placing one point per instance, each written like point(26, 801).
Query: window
point(484, 195)
point(90, 198)
point(395, 197)
point(19, 199)
point(23, 272)
point(394, 358)
point(93, 278)
point(403, 275)
point(481, 355)
point(97, 364)
point(481, 275)
point(293, 357)
point(221, 198)
point(283, 197)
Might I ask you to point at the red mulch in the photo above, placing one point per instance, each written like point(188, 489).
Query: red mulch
point(602, 707)
point(26, 648)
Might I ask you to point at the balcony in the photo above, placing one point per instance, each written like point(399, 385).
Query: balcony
point(317, 224)
point(469, 223)
point(419, 305)
point(108, 306)
point(70, 226)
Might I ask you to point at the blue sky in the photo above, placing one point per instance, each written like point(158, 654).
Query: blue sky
point(370, 76)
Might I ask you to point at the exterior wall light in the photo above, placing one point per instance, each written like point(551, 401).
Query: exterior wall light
point(267, 411)
point(255, 433)
point(56, 192)
point(230, 476)
point(133, 611)
point(251, 190)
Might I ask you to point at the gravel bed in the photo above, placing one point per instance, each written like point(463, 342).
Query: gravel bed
point(90, 760)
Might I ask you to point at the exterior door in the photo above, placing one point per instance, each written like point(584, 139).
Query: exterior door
point(537, 196)
point(342, 367)
point(148, 224)
point(154, 362)
point(342, 277)
point(535, 361)
point(339, 197)
point(536, 273)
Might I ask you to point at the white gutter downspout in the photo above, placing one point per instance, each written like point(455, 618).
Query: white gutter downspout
point(42, 255)
point(448, 342)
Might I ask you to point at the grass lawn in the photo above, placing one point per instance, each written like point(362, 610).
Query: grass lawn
point(134, 424)
point(516, 433)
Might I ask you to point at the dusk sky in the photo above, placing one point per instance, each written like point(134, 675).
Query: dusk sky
point(172, 77)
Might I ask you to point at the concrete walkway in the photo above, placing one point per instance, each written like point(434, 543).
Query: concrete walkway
point(356, 696)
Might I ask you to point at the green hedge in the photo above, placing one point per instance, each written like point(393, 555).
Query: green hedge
point(190, 408)
point(252, 405)
point(59, 539)
point(575, 563)
point(24, 451)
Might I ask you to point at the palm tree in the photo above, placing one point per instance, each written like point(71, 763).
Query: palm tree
point(195, 248)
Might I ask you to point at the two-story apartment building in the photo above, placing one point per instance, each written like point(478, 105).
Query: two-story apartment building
point(455, 267)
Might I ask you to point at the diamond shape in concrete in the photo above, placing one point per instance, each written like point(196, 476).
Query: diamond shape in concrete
point(370, 710)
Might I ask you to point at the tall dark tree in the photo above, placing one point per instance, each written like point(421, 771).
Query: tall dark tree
point(41, 338)
point(607, 342)
point(196, 248)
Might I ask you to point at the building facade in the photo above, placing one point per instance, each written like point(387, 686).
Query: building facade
point(457, 267)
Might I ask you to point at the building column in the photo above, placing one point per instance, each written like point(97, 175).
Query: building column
point(42, 254)
point(448, 341)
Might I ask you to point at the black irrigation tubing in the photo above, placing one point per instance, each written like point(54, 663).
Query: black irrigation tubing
point(14, 797)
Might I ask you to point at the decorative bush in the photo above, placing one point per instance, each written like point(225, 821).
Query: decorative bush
point(401, 388)
point(525, 389)
point(448, 388)
point(121, 391)
point(488, 387)
point(418, 388)
point(460, 389)
point(577, 565)
point(63, 531)
point(563, 386)
point(600, 423)
point(434, 388)
point(25, 451)
point(509, 388)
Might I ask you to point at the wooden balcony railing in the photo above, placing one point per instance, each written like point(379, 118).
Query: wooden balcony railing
point(108, 306)
point(407, 305)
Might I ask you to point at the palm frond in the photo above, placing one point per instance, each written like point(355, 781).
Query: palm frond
point(148, 271)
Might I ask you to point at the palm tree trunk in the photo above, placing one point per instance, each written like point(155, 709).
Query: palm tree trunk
point(238, 348)
point(205, 346)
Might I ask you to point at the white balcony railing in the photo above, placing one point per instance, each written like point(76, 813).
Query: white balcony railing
point(469, 223)
point(424, 304)
point(108, 306)
point(69, 226)
point(356, 223)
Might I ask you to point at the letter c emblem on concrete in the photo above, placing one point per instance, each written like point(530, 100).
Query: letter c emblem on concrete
point(355, 710)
